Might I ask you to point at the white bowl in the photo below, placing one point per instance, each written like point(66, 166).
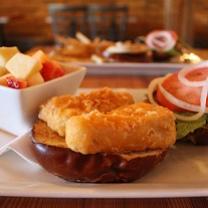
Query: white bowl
point(19, 107)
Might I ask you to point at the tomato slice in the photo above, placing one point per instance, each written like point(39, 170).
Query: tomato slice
point(174, 35)
point(164, 102)
point(185, 93)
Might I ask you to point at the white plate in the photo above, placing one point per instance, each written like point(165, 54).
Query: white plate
point(183, 173)
point(132, 68)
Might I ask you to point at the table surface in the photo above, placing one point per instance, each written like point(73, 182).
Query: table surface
point(111, 81)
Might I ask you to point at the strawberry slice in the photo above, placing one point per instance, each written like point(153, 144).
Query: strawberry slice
point(15, 83)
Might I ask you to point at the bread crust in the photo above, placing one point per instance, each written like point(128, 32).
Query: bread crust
point(59, 160)
point(44, 135)
point(136, 127)
point(59, 109)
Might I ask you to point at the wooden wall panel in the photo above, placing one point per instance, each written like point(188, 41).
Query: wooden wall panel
point(145, 15)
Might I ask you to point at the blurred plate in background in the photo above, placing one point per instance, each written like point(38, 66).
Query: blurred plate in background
point(147, 69)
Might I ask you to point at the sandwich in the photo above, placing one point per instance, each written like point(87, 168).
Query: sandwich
point(79, 49)
point(167, 47)
point(163, 44)
point(185, 93)
point(128, 52)
point(101, 137)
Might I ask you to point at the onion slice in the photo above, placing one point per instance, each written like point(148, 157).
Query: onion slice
point(182, 75)
point(203, 98)
point(204, 84)
point(157, 83)
point(153, 42)
point(183, 105)
point(152, 88)
point(189, 118)
point(179, 103)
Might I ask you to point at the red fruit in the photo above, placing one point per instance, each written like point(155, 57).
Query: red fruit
point(15, 83)
point(51, 70)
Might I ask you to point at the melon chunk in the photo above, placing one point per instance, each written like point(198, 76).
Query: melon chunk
point(35, 79)
point(23, 66)
point(6, 53)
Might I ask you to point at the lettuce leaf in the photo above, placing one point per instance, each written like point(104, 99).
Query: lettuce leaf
point(183, 128)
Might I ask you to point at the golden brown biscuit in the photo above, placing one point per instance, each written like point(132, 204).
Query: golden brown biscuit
point(44, 135)
point(59, 109)
point(136, 127)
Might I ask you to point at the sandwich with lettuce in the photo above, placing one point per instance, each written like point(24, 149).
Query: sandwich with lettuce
point(185, 93)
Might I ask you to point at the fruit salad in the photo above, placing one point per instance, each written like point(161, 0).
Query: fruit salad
point(18, 70)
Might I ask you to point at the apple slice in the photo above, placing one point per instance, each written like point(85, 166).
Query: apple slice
point(40, 56)
point(23, 66)
point(51, 70)
point(35, 79)
point(6, 53)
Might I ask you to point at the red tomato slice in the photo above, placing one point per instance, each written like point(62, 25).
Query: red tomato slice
point(179, 90)
point(164, 102)
point(174, 35)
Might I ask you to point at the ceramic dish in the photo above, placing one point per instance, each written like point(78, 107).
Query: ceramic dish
point(18, 107)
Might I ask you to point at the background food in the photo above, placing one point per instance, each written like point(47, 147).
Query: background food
point(157, 46)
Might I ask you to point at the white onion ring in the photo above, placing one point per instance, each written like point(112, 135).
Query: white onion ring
point(184, 105)
point(204, 84)
point(177, 102)
point(160, 43)
point(203, 98)
point(182, 75)
point(172, 99)
point(189, 118)
point(166, 45)
point(151, 89)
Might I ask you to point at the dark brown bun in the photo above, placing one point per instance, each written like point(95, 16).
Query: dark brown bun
point(131, 57)
point(161, 56)
point(199, 136)
point(51, 152)
point(173, 56)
